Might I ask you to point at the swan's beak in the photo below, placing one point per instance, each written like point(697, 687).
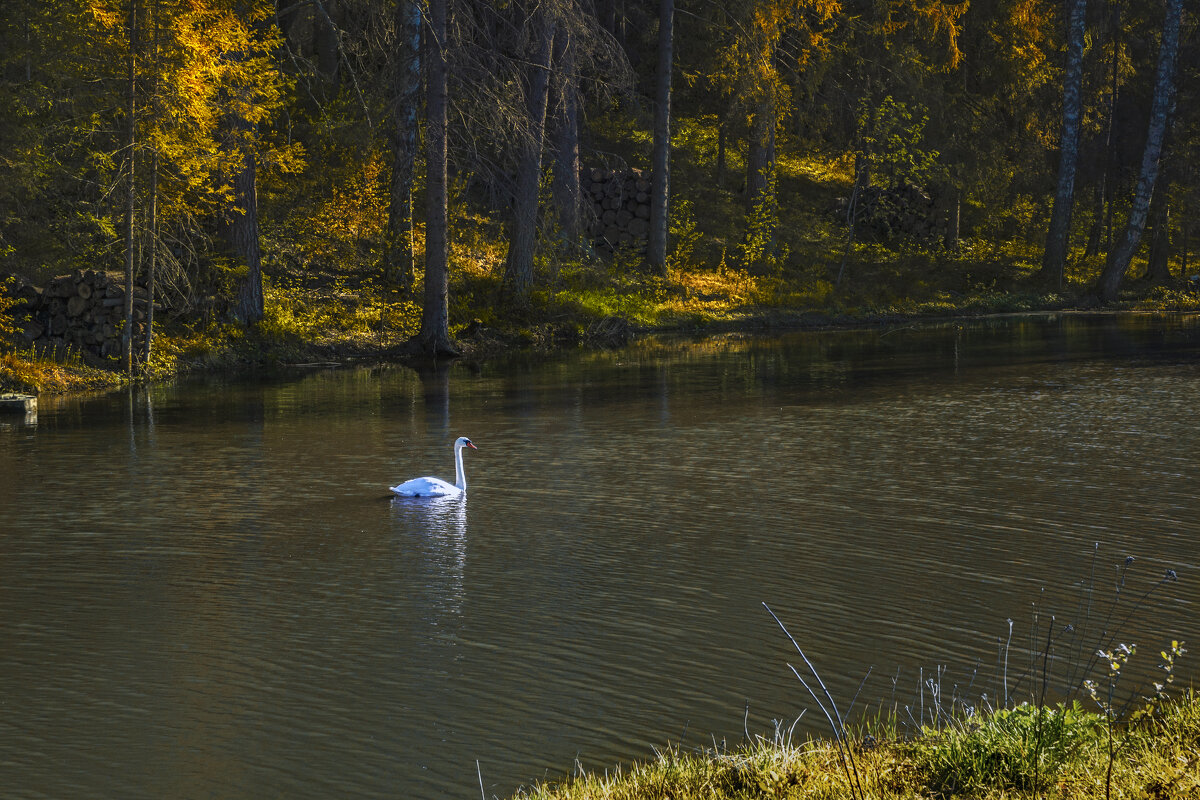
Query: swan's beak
point(473, 447)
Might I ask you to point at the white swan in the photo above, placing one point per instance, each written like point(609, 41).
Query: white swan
point(436, 487)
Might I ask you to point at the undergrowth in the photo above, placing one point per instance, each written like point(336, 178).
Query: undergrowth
point(33, 370)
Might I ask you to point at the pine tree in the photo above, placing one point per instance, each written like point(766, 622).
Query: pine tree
point(536, 90)
point(405, 82)
point(433, 340)
point(660, 189)
point(1055, 255)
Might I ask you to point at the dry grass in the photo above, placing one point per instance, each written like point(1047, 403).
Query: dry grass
point(30, 371)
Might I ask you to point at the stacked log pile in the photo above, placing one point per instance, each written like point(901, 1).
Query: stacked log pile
point(906, 211)
point(620, 208)
point(84, 310)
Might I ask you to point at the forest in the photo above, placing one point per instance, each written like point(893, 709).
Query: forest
point(181, 179)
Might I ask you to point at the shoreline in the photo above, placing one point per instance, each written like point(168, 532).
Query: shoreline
point(251, 351)
point(1046, 751)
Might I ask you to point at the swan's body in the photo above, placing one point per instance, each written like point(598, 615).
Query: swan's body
point(436, 487)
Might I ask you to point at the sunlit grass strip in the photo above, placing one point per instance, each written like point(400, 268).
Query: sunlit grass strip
point(362, 319)
point(34, 370)
point(762, 769)
point(989, 757)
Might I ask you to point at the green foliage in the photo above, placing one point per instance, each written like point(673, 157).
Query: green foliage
point(297, 318)
point(8, 324)
point(893, 135)
point(1023, 748)
point(1159, 700)
point(760, 250)
point(685, 236)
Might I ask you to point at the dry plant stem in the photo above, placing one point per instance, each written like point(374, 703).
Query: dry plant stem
point(1104, 632)
point(1111, 757)
point(839, 728)
point(1007, 645)
point(858, 691)
point(1107, 643)
point(921, 694)
point(1041, 707)
point(1085, 614)
point(845, 754)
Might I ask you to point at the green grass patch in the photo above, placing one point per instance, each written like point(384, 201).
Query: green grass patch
point(1023, 752)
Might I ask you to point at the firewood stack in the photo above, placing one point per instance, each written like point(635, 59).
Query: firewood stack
point(906, 212)
point(83, 310)
point(620, 208)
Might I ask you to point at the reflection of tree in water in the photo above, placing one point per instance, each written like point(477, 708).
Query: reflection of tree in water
point(434, 533)
point(435, 388)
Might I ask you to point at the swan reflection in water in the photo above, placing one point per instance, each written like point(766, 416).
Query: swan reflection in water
point(435, 529)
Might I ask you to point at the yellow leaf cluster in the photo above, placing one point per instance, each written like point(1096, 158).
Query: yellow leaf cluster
point(749, 67)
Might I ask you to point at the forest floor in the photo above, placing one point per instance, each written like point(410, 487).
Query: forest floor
point(331, 308)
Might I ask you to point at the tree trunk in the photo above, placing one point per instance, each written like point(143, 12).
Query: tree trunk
point(399, 257)
point(1159, 269)
point(660, 189)
point(1055, 256)
point(1104, 185)
point(519, 269)
point(566, 187)
point(152, 262)
point(1183, 250)
point(433, 340)
point(954, 223)
point(721, 136)
point(237, 225)
point(760, 162)
point(862, 179)
point(1160, 112)
point(130, 192)
point(239, 231)
point(326, 41)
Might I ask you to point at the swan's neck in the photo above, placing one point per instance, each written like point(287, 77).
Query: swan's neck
point(460, 478)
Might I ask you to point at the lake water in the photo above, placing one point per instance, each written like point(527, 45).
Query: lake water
point(205, 592)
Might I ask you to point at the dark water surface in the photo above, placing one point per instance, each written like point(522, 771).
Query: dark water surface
point(204, 592)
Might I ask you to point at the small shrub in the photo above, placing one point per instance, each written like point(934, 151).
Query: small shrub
point(8, 324)
point(1019, 748)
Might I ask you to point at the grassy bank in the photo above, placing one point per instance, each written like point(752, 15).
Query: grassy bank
point(1022, 752)
point(597, 308)
point(30, 371)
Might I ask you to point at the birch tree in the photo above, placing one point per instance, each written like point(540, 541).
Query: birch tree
point(1160, 113)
